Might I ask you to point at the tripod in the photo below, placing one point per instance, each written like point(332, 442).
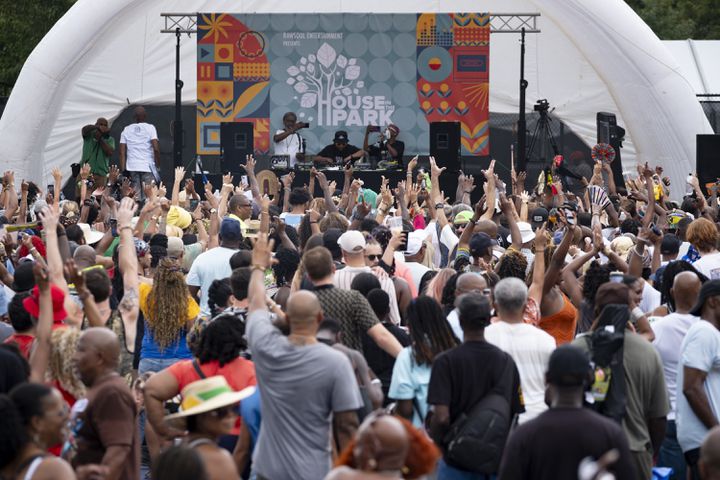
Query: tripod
point(542, 134)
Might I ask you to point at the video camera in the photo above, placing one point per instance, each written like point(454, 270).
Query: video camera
point(542, 105)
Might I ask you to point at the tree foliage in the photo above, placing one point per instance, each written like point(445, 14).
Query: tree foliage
point(22, 25)
point(680, 19)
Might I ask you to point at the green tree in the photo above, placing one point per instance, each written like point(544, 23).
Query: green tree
point(680, 19)
point(22, 25)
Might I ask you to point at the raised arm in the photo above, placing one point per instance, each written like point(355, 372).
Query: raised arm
point(261, 261)
point(252, 179)
point(507, 209)
point(127, 261)
point(50, 218)
point(40, 355)
point(558, 259)
point(489, 191)
point(536, 287)
point(179, 175)
point(327, 193)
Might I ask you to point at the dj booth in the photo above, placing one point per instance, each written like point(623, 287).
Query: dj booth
point(372, 178)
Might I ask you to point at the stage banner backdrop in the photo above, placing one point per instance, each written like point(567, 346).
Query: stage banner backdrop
point(343, 72)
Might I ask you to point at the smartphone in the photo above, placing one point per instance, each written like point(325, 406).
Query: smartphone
point(244, 180)
point(654, 228)
point(51, 190)
point(373, 128)
point(403, 245)
point(113, 226)
point(194, 203)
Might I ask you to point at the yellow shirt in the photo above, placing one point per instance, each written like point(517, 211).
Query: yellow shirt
point(243, 227)
point(193, 309)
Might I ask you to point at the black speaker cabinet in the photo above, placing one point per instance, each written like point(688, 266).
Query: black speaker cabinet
point(236, 142)
point(608, 131)
point(707, 159)
point(445, 144)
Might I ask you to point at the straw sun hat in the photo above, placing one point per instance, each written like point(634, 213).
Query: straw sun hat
point(207, 395)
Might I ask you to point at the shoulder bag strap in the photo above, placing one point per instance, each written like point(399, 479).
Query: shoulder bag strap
point(198, 370)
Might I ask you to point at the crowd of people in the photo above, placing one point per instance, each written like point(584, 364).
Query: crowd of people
point(353, 334)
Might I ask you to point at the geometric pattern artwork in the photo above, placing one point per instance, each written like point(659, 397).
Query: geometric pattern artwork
point(453, 80)
point(343, 71)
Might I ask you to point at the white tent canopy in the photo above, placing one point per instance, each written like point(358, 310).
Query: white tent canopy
point(591, 56)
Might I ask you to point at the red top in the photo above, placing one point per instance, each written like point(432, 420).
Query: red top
point(24, 343)
point(240, 373)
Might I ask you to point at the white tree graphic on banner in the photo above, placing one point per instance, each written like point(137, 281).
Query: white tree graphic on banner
point(320, 76)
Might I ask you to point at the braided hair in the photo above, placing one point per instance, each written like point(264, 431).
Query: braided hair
point(513, 264)
point(167, 303)
point(430, 332)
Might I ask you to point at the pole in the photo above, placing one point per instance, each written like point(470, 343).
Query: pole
point(178, 124)
point(522, 125)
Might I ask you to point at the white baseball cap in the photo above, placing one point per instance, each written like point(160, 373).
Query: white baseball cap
point(352, 241)
point(415, 242)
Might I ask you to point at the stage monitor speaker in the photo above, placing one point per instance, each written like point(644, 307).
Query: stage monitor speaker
point(707, 159)
point(445, 144)
point(608, 131)
point(236, 142)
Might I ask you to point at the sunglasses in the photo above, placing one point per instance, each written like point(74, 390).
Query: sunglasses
point(372, 258)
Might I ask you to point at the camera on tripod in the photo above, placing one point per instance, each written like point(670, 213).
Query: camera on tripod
point(542, 105)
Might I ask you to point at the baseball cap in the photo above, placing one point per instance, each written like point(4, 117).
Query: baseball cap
point(709, 289)
point(340, 137)
point(539, 216)
point(230, 230)
point(175, 247)
point(23, 278)
point(569, 366)
point(480, 242)
point(393, 128)
point(352, 241)
point(670, 244)
point(462, 217)
point(415, 242)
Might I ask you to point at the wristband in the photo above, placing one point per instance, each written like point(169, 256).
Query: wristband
point(312, 222)
point(258, 267)
point(438, 206)
point(125, 227)
point(636, 315)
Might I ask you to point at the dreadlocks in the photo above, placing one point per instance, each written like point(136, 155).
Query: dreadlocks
point(167, 303)
point(429, 330)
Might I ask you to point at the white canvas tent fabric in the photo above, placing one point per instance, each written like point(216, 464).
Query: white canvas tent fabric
point(698, 61)
point(590, 57)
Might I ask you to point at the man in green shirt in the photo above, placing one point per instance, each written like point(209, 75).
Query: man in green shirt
point(98, 147)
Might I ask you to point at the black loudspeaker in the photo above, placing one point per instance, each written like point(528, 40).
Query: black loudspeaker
point(608, 131)
point(707, 159)
point(445, 144)
point(236, 142)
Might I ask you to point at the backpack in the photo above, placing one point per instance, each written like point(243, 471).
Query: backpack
point(606, 352)
point(476, 440)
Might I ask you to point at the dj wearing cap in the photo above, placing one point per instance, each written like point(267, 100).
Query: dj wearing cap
point(339, 152)
point(387, 148)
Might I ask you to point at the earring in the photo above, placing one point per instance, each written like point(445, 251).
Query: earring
point(372, 464)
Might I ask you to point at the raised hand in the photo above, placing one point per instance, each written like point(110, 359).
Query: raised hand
point(323, 181)
point(113, 174)
point(50, 218)
point(262, 251)
point(468, 184)
point(162, 191)
point(412, 164)
point(74, 276)
point(540, 236)
point(314, 215)
point(85, 171)
point(434, 169)
point(227, 178)
point(490, 172)
point(125, 212)
point(26, 240)
point(179, 174)
point(250, 164)
point(57, 175)
point(24, 186)
point(287, 180)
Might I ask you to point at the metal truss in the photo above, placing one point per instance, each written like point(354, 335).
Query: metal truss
point(499, 23)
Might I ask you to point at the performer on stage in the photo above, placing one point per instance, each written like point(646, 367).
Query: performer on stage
point(98, 147)
point(339, 152)
point(288, 141)
point(140, 152)
point(387, 149)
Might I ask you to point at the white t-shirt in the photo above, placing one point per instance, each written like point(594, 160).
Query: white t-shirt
point(700, 350)
point(211, 265)
point(650, 298)
point(709, 265)
point(138, 137)
point(530, 348)
point(447, 238)
point(289, 145)
point(417, 270)
point(292, 219)
point(669, 333)
point(454, 321)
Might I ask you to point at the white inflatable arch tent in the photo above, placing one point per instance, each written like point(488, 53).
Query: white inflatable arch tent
point(591, 56)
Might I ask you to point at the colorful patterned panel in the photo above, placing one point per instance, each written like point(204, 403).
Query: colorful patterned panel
point(233, 74)
point(453, 79)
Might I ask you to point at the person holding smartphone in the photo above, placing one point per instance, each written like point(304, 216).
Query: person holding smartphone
point(98, 147)
point(387, 148)
point(288, 141)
